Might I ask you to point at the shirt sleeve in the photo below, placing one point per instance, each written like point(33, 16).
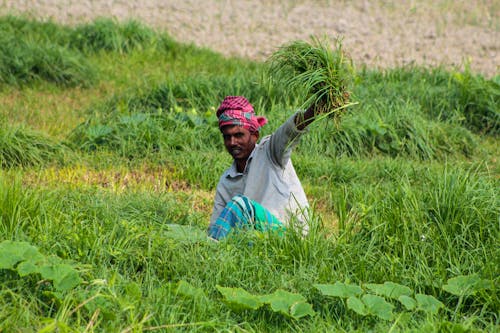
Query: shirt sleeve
point(219, 205)
point(283, 140)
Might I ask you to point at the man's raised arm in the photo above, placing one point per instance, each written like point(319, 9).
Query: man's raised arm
point(303, 119)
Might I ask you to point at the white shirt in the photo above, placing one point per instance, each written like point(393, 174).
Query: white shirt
point(269, 177)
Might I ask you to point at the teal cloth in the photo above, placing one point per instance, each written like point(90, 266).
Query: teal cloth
point(243, 213)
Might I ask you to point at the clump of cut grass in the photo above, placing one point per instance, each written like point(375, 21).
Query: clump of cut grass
point(320, 73)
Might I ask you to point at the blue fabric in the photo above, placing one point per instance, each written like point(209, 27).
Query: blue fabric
point(244, 214)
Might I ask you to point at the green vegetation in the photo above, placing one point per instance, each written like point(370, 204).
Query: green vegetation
point(21, 147)
point(107, 178)
point(322, 73)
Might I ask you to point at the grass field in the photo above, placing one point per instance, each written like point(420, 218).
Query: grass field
point(110, 153)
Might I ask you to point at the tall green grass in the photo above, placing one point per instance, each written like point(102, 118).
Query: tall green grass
point(393, 126)
point(23, 61)
point(463, 98)
point(33, 51)
point(416, 235)
point(404, 189)
point(22, 147)
point(107, 35)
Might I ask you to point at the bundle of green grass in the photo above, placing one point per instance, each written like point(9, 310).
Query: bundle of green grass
point(319, 72)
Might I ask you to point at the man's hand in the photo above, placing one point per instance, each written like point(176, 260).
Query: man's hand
point(303, 119)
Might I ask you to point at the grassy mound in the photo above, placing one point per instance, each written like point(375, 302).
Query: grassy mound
point(107, 35)
point(34, 51)
point(22, 147)
point(23, 62)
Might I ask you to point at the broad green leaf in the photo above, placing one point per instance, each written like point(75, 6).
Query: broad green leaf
point(68, 281)
point(186, 289)
point(389, 289)
point(301, 309)
point(281, 300)
point(240, 299)
point(339, 289)
point(12, 252)
point(428, 303)
point(465, 285)
point(26, 268)
point(378, 306)
point(357, 305)
point(408, 302)
point(64, 276)
point(185, 233)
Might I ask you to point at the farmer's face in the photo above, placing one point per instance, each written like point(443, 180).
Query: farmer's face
point(239, 141)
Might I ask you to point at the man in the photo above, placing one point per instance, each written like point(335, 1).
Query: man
point(261, 189)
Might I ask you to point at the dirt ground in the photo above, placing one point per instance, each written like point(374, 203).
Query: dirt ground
point(377, 33)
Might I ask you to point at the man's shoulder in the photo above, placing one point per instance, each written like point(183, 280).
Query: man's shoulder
point(264, 141)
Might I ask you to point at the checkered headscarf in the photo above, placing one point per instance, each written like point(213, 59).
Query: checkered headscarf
point(236, 110)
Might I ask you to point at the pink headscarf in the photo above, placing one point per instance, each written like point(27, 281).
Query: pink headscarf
point(236, 110)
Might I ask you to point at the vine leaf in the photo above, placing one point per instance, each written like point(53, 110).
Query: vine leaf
point(240, 299)
point(389, 289)
point(357, 305)
point(64, 276)
point(408, 302)
point(12, 252)
point(378, 306)
point(290, 304)
point(301, 309)
point(428, 303)
point(30, 261)
point(27, 267)
point(466, 285)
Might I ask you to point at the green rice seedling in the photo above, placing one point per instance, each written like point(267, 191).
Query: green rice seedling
point(321, 74)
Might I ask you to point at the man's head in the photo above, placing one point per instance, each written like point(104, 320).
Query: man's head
point(239, 126)
point(239, 141)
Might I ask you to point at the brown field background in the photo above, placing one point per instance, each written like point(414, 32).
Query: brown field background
point(377, 33)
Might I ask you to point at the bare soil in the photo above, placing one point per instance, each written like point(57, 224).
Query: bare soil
point(377, 33)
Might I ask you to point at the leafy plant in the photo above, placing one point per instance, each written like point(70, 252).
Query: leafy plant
point(365, 303)
point(25, 259)
point(466, 285)
point(289, 304)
